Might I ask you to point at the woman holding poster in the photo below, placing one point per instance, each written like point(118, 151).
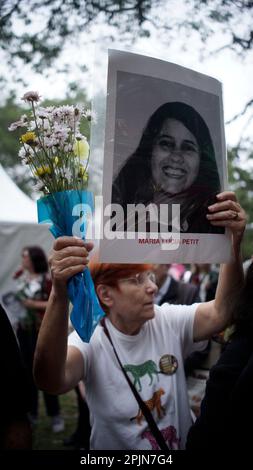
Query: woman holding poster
point(150, 341)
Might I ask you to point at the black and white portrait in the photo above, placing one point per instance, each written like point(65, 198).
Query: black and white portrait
point(174, 161)
point(164, 147)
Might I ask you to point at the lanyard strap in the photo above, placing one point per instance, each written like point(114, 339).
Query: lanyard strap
point(145, 410)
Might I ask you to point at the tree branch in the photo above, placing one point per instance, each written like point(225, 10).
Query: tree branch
point(250, 103)
point(244, 43)
point(5, 18)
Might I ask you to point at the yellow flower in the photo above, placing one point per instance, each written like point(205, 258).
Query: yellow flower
point(56, 161)
point(81, 149)
point(28, 138)
point(82, 173)
point(42, 171)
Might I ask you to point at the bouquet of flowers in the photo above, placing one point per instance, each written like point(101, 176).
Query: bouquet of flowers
point(57, 154)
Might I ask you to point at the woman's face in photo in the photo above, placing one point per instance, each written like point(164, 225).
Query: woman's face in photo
point(175, 157)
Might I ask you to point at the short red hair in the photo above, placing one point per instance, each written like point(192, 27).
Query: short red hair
point(111, 273)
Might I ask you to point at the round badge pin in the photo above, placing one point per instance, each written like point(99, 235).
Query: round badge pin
point(168, 364)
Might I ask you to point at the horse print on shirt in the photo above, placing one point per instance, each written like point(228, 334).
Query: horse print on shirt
point(169, 434)
point(153, 404)
point(148, 367)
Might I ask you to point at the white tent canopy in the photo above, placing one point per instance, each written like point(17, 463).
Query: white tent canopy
point(16, 206)
point(18, 228)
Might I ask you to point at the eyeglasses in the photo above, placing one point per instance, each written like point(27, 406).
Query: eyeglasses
point(140, 279)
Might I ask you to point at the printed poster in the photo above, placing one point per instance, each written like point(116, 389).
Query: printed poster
point(164, 163)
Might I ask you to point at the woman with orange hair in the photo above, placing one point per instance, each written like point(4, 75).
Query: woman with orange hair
point(150, 342)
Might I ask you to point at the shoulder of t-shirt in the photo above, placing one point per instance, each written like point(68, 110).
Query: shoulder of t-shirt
point(75, 340)
point(174, 309)
point(174, 315)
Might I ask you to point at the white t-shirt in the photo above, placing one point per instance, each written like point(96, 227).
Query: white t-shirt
point(116, 420)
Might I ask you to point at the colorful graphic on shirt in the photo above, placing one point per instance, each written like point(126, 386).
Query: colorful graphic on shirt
point(169, 434)
point(153, 403)
point(147, 368)
point(168, 364)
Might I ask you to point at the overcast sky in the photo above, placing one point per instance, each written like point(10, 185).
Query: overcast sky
point(235, 73)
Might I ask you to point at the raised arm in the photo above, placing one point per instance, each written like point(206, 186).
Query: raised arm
point(58, 368)
point(212, 317)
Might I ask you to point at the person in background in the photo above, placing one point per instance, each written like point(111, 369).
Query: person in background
point(227, 409)
point(15, 428)
point(172, 291)
point(206, 278)
point(33, 289)
point(151, 341)
point(80, 439)
point(177, 271)
point(192, 275)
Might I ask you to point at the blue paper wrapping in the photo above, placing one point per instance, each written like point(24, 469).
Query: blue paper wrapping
point(63, 210)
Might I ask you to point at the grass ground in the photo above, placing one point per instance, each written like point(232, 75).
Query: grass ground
point(43, 436)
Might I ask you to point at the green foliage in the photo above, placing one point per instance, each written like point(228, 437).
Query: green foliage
point(231, 16)
point(247, 245)
point(37, 35)
point(240, 181)
point(43, 437)
point(8, 146)
point(60, 22)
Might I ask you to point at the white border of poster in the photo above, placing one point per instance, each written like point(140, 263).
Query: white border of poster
point(137, 86)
